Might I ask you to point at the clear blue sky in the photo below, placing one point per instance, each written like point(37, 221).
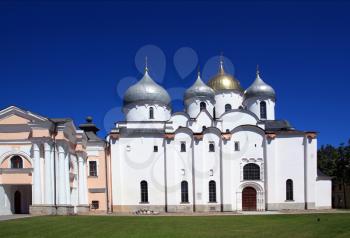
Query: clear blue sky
point(71, 58)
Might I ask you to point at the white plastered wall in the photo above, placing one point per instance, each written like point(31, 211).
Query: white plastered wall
point(222, 98)
point(141, 112)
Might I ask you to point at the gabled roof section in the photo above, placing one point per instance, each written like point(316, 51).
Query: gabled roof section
point(205, 111)
point(20, 116)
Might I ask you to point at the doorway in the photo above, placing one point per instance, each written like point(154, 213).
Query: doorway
point(17, 202)
point(249, 199)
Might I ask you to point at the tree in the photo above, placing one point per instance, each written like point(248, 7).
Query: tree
point(335, 162)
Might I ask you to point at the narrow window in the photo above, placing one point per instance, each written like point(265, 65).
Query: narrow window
point(184, 191)
point(151, 113)
point(144, 191)
point(212, 191)
point(95, 204)
point(16, 162)
point(228, 107)
point(289, 190)
point(155, 148)
point(263, 110)
point(214, 113)
point(93, 168)
point(251, 172)
point(202, 106)
point(183, 147)
point(237, 146)
point(211, 147)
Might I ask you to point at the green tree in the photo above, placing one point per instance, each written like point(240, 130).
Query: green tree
point(335, 162)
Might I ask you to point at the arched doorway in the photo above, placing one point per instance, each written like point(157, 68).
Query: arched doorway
point(249, 199)
point(17, 202)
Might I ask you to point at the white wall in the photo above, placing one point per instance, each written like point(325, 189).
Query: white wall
point(310, 171)
point(204, 162)
point(193, 107)
point(141, 112)
point(289, 164)
point(324, 194)
point(251, 141)
point(179, 168)
point(223, 98)
point(234, 119)
point(253, 105)
point(177, 120)
point(133, 160)
point(203, 119)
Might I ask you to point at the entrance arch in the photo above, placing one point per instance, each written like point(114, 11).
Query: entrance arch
point(249, 199)
point(17, 202)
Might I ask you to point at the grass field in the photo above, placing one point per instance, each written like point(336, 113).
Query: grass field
point(330, 225)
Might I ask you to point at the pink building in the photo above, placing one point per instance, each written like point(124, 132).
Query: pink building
point(48, 166)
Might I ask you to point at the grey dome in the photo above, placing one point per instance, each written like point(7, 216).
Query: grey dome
point(259, 89)
point(199, 90)
point(146, 90)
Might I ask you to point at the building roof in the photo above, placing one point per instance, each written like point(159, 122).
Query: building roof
point(224, 81)
point(277, 125)
point(199, 90)
point(146, 90)
point(259, 89)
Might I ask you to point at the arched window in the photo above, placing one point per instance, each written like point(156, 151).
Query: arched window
point(289, 190)
point(251, 172)
point(183, 147)
point(184, 191)
point(212, 191)
point(263, 110)
point(202, 106)
point(228, 107)
point(144, 191)
point(211, 147)
point(16, 162)
point(151, 113)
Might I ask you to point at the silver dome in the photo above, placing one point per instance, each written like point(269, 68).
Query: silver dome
point(146, 90)
point(199, 90)
point(259, 89)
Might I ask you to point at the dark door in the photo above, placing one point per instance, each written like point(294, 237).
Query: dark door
point(17, 202)
point(249, 199)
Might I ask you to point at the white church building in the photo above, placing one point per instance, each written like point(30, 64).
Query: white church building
point(224, 152)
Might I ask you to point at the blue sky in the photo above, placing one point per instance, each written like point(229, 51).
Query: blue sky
point(75, 58)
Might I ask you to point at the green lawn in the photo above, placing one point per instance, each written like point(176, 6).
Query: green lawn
point(330, 225)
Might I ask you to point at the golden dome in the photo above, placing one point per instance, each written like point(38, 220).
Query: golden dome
point(224, 81)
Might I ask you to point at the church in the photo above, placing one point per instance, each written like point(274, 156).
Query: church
point(225, 152)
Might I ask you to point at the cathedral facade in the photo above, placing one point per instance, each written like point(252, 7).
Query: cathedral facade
point(224, 152)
